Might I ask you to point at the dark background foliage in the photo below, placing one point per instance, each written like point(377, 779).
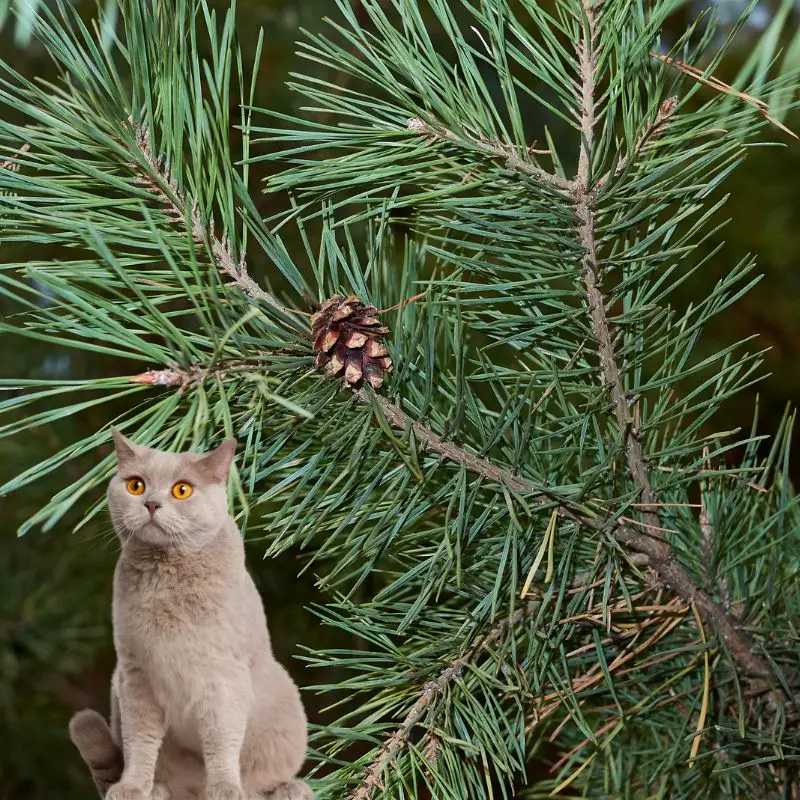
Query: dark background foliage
point(55, 633)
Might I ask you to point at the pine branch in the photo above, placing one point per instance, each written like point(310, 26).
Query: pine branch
point(665, 113)
point(451, 673)
point(508, 155)
point(186, 378)
point(429, 440)
point(166, 191)
point(663, 559)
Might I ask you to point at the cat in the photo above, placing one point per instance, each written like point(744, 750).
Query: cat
point(200, 708)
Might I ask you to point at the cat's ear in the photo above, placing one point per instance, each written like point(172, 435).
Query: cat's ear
point(215, 465)
point(125, 449)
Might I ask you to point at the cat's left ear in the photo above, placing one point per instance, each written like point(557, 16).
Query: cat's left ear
point(124, 448)
point(216, 465)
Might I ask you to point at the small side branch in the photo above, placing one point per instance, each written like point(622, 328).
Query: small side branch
point(508, 155)
point(165, 190)
point(651, 132)
point(451, 673)
point(183, 379)
point(428, 440)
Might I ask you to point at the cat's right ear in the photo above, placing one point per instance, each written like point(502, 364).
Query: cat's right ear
point(125, 449)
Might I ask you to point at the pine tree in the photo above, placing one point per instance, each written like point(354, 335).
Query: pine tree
point(562, 579)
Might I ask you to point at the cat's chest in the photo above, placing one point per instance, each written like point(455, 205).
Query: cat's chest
point(180, 636)
point(170, 634)
point(152, 606)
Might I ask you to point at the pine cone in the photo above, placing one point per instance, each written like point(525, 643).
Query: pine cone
point(347, 337)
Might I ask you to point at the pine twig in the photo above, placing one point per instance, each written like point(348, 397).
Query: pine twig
point(452, 672)
point(427, 439)
point(164, 188)
point(651, 132)
point(508, 155)
point(181, 378)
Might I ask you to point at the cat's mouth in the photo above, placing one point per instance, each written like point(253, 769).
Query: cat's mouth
point(152, 530)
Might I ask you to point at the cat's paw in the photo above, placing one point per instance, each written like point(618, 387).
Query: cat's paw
point(160, 792)
point(125, 791)
point(291, 790)
point(225, 791)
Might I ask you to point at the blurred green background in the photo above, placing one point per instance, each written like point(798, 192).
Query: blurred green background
point(55, 633)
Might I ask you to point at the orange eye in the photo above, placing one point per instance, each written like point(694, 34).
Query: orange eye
point(181, 490)
point(136, 486)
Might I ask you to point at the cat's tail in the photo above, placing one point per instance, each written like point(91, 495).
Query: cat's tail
point(92, 736)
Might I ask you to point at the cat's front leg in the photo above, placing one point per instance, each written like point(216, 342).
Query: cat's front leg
point(143, 729)
point(222, 723)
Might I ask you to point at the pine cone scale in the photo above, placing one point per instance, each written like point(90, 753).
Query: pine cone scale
point(326, 340)
point(355, 340)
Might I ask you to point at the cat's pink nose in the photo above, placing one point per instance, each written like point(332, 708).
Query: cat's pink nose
point(152, 506)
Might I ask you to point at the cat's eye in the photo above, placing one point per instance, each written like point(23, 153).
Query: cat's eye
point(181, 490)
point(136, 486)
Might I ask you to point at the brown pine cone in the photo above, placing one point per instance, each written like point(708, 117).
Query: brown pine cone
point(347, 337)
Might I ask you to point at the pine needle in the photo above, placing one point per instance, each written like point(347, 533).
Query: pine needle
point(701, 720)
point(544, 547)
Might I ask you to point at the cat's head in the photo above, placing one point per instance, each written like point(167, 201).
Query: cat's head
point(176, 499)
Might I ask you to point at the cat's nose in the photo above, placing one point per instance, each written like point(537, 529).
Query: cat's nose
point(152, 506)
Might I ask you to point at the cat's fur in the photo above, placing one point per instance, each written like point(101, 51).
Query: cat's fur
point(199, 706)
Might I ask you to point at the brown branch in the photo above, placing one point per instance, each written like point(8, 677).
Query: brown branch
point(662, 557)
point(452, 672)
point(720, 86)
point(506, 153)
point(660, 554)
point(652, 131)
point(396, 417)
point(181, 378)
point(164, 188)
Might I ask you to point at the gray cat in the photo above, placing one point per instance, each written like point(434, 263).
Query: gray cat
point(200, 709)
